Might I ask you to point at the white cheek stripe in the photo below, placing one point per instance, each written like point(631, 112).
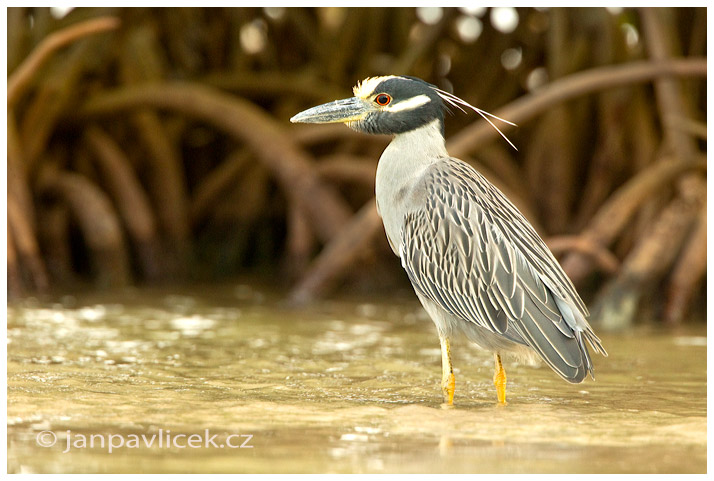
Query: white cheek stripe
point(408, 104)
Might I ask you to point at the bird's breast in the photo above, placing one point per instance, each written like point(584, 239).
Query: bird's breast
point(397, 191)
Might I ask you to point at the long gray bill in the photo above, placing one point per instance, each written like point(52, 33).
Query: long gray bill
point(343, 110)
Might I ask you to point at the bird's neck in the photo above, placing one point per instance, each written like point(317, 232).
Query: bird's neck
point(409, 154)
point(400, 171)
point(424, 144)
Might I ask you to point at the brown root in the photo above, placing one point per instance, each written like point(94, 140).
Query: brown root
point(129, 198)
point(97, 220)
point(646, 264)
point(325, 210)
point(338, 255)
point(614, 214)
point(689, 272)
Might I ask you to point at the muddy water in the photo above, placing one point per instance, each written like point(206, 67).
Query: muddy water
point(228, 379)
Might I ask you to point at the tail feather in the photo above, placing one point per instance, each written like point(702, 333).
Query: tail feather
point(560, 352)
point(567, 355)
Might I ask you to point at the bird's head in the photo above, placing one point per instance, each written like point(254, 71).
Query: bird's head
point(382, 105)
point(389, 105)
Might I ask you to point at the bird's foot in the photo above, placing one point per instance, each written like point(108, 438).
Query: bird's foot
point(448, 386)
point(499, 380)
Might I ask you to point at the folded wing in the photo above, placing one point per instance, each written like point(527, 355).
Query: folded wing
point(470, 250)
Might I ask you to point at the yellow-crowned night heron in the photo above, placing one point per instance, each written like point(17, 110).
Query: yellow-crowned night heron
point(476, 264)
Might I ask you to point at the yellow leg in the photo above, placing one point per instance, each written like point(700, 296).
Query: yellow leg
point(448, 381)
point(499, 379)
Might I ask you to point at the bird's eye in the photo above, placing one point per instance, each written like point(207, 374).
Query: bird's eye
point(383, 99)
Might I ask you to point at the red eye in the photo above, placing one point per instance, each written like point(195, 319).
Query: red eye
point(383, 99)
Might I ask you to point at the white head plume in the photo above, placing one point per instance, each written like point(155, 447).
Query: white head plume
point(455, 101)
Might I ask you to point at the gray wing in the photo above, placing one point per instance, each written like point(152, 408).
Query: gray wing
point(470, 250)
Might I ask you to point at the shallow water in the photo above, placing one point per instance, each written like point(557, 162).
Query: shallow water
point(247, 384)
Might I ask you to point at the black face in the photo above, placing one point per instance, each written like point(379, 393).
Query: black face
point(401, 104)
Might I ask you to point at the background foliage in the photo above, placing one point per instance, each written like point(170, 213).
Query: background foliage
point(153, 145)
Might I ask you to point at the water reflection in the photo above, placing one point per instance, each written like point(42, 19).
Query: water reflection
point(346, 386)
